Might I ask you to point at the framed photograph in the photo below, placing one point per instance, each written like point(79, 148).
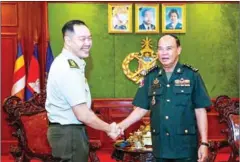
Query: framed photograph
point(147, 18)
point(173, 18)
point(119, 18)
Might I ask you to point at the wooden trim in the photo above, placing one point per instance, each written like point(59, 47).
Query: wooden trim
point(217, 139)
point(232, 98)
point(213, 113)
point(9, 34)
point(17, 17)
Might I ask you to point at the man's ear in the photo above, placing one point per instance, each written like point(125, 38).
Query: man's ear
point(67, 40)
point(179, 50)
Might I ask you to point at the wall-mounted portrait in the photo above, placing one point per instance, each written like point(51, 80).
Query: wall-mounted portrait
point(173, 18)
point(119, 18)
point(147, 18)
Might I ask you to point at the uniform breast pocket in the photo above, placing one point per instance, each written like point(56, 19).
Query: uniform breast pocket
point(155, 91)
point(183, 95)
point(154, 96)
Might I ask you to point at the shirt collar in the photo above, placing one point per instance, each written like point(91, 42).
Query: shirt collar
point(146, 26)
point(70, 55)
point(178, 69)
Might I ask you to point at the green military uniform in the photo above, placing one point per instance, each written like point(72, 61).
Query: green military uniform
point(172, 103)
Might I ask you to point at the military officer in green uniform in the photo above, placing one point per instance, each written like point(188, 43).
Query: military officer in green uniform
point(177, 97)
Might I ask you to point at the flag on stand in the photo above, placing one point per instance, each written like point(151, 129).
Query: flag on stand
point(33, 80)
point(19, 76)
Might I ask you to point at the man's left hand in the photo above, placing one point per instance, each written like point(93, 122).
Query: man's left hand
point(202, 153)
point(115, 131)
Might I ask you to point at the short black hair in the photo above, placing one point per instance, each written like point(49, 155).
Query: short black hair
point(68, 26)
point(173, 11)
point(175, 37)
point(145, 10)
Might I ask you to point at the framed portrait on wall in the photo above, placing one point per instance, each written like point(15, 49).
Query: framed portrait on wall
point(119, 18)
point(173, 18)
point(147, 18)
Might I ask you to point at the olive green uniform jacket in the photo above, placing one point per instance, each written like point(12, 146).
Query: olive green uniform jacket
point(172, 103)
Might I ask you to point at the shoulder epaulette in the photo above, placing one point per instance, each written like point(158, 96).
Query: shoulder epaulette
point(190, 67)
point(151, 69)
point(72, 64)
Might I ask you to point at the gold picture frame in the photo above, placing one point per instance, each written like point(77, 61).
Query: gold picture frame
point(146, 18)
point(120, 18)
point(173, 18)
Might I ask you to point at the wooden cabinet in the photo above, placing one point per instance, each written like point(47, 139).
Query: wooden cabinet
point(117, 109)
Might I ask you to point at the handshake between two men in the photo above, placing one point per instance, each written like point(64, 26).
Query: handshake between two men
point(115, 131)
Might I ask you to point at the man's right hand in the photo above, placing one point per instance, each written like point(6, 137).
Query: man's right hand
point(114, 131)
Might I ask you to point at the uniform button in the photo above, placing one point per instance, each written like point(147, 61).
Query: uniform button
point(186, 131)
point(168, 85)
point(168, 100)
point(166, 117)
point(182, 90)
point(153, 130)
point(167, 134)
point(154, 92)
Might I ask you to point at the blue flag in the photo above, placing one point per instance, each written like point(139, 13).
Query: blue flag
point(49, 58)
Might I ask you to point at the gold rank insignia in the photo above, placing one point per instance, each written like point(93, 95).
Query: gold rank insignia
point(73, 64)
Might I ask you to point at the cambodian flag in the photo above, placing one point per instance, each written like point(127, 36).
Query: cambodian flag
point(33, 80)
point(19, 76)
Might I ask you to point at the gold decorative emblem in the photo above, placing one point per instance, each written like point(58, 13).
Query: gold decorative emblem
point(146, 60)
point(156, 81)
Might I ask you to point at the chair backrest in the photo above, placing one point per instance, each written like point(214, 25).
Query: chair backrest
point(229, 113)
point(30, 122)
